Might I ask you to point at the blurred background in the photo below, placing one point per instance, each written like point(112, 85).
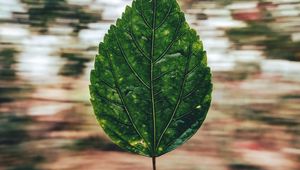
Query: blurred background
point(46, 53)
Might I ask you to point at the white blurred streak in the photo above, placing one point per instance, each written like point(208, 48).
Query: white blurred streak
point(13, 32)
point(296, 37)
point(285, 68)
point(79, 2)
point(7, 7)
point(91, 37)
point(242, 5)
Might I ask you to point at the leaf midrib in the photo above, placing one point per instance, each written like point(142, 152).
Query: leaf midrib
point(154, 61)
point(151, 77)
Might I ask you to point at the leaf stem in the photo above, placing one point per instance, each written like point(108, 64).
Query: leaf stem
point(154, 162)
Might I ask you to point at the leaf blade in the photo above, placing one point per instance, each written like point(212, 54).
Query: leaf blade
point(165, 111)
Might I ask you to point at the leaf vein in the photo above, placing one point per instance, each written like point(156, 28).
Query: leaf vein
point(193, 69)
point(129, 65)
point(131, 34)
point(143, 16)
point(179, 100)
point(123, 101)
point(176, 37)
point(109, 100)
point(108, 85)
point(165, 18)
point(123, 139)
point(162, 75)
point(172, 142)
point(183, 115)
point(190, 93)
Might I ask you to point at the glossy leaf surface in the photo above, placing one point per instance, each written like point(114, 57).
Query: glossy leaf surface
point(151, 86)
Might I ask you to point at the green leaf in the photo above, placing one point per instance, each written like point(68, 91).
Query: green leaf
point(151, 86)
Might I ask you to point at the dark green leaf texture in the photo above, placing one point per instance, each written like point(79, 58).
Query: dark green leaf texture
point(151, 86)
